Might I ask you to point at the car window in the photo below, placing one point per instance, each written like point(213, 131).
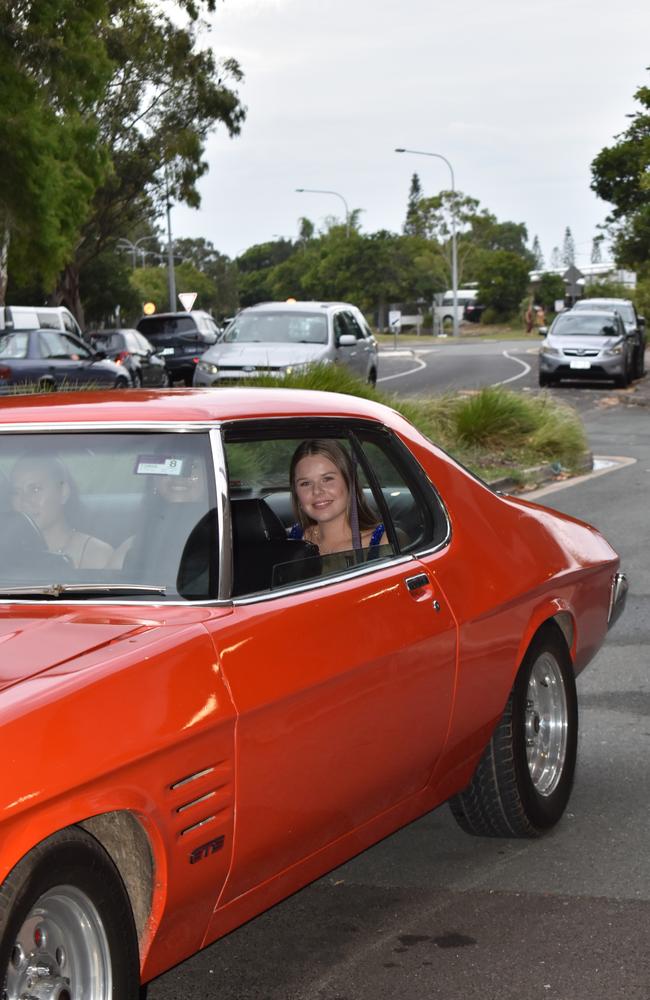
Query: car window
point(281, 327)
point(134, 512)
point(275, 543)
point(49, 321)
point(353, 325)
point(107, 341)
point(163, 327)
point(143, 343)
point(53, 344)
point(586, 324)
point(14, 345)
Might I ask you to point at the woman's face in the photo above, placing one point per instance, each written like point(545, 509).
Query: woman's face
point(185, 489)
point(35, 491)
point(321, 488)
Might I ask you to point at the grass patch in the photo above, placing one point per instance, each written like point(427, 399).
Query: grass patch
point(495, 432)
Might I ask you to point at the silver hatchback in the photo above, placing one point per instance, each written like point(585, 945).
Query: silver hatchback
point(278, 338)
point(587, 345)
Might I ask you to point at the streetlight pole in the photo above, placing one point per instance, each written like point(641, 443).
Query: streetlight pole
point(454, 250)
point(171, 274)
point(336, 195)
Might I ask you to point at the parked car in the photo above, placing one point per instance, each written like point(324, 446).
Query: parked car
point(133, 351)
point(473, 311)
point(51, 359)
point(39, 318)
point(634, 324)
point(225, 671)
point(590, 345)
point(280, 337)
point(180, 338)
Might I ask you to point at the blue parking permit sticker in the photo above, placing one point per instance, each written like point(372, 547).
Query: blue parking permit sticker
point(159, 465)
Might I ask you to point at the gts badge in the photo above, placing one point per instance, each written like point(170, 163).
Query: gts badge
point(205, 850)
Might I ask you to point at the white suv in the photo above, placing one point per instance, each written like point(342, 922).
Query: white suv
point(277, 338)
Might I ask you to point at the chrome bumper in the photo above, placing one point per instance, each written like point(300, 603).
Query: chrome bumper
point(617, 598)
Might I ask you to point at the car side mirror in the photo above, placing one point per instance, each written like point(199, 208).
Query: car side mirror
point(542, 330)
point(347, 340)
point(641, 320)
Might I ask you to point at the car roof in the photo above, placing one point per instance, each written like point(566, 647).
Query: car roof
point(591, 312)
point(297, 306)
point(151, 407)
point(175, 315)
point(583, 303)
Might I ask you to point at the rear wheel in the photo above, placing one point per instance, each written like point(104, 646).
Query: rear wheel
point(46, 385)
point(66, 927)
point(136, 379)
point(121, 382)
point(372, 377)
point(639, 362)
point(524, 779)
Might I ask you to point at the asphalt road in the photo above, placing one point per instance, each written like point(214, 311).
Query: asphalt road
point(433, 913)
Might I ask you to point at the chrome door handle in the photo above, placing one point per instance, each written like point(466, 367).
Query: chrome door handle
point(417, 582)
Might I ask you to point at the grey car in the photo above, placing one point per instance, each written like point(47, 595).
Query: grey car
point(278, 338)
point(587, 345)
point(634, 324)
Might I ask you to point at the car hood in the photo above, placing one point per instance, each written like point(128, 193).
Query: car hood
point(578, 342)
point(265, 355)
point(31, 643)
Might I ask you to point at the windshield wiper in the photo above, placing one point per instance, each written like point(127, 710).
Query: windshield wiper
point(93, 589)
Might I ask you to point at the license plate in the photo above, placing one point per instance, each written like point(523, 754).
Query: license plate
point(579, 363)
point(166, 350)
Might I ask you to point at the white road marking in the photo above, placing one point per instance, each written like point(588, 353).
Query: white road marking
point(602, 465)
point(513, 378)
point(419, 366)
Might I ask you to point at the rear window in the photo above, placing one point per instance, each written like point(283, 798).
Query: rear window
point(163, 327)
point(14, 345)
point(107, 341)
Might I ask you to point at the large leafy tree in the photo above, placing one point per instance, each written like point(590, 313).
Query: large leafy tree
point(115, 100)
point(166, 94)
point(621, 176)
point(54, 69)
point(503, 282)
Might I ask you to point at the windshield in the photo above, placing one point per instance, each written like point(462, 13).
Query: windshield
point(585, 324)
point(278, 328)
point(14, 345)
point(97, 515)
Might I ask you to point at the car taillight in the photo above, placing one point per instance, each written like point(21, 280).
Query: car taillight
point(121, 357)
point(5, 371)
point(195, 361)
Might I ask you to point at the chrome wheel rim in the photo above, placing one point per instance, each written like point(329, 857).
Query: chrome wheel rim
point(546, 724)
point(61, 952)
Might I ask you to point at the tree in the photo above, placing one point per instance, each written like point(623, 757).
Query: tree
point(54, 69)
point(537, 254)
point(596, 249)
point(503, 281)
point(164, 97)
point(621, 176)
point(556, 259)
point(568, 248)
point(550, 290)
point(413, 225)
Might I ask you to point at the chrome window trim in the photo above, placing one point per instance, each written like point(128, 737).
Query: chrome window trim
point(224, 528)
point(180, 426)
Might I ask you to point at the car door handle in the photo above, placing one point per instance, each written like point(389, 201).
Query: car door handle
point(417, 582)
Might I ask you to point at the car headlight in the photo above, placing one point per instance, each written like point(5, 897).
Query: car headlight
point(612, 352)
point(208, 367)
point(547, 349)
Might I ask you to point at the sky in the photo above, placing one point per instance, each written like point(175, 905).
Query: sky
point(518, 95)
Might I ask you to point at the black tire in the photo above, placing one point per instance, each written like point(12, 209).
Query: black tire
point(545, 380)
point(372, 377)
point(639, 362)
point(121, 382)
point(46, 385)
point(136, 379)
point(165, 382)
point(88, 935)
point(523, 781)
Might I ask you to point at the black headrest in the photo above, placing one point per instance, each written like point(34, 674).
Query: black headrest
point(254, 521)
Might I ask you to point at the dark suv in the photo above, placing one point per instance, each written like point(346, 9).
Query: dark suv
point(634, 324)
point(180, 339)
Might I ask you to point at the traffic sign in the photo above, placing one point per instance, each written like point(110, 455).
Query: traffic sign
point(187, 300)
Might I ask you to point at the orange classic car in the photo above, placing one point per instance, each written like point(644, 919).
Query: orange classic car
point(244, 634)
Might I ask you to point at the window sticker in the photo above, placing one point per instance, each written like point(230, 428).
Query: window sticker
point(159, 465)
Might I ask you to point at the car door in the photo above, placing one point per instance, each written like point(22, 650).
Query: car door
point(349, 355)
point(343, 684)
point(60, 361)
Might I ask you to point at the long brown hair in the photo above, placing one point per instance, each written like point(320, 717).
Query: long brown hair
point(338, 455)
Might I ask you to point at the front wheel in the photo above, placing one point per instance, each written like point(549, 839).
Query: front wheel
point(523, 781)
point(121, 382)
point(66, 927)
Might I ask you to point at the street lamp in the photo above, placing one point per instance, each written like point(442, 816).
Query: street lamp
point(454, 253)
point(124, 244)
point(336, 195)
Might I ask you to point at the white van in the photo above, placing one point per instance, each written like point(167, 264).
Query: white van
point(39, 318)
point(444, 313)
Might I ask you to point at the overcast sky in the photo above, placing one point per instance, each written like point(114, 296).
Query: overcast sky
point(519, 95)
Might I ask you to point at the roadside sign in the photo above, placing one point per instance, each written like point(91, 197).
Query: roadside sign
point(395, 320)
point(187, 300)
